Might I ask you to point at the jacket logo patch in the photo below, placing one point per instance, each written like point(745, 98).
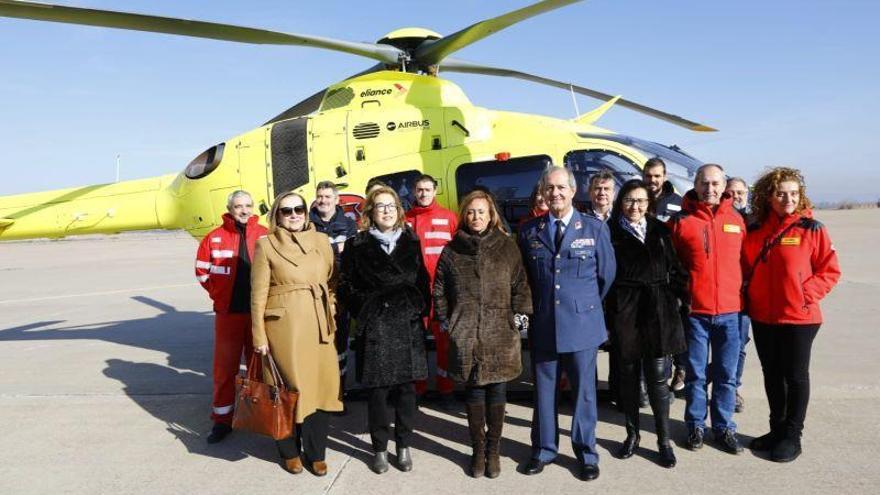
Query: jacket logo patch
point(580, 243)
point(790, 241)
point(215, 239)
point(439, 221)
point(578, 225)
point(731, 228)
point(673, 207)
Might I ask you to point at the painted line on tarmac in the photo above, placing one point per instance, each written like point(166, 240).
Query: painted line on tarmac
point(93, 294)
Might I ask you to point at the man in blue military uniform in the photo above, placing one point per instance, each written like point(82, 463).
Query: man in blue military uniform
point(570, 265)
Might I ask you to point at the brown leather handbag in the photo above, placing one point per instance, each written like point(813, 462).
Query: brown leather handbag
point(262, 408)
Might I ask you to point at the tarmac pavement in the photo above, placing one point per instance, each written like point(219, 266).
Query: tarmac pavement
point(106, 346)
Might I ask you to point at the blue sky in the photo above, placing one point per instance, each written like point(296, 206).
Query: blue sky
point(786, 82)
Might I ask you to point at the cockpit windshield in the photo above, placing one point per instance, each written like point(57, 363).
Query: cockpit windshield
point(680, 166)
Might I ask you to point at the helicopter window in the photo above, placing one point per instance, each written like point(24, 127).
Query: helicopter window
point(680, 166)
point(404, 184)
point(290, 158)
point(205, 163)
point(585, 163)
point(510, 181)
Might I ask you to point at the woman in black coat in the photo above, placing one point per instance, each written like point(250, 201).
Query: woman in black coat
point(645, 326)
point(479, 288)
point(385, 286)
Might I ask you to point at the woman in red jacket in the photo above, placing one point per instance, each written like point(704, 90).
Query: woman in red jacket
point(789, 264)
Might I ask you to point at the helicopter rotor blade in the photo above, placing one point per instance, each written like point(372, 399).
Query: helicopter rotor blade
point(456, 65)
point(184, 27)
point(432, 52)
point(312, 103)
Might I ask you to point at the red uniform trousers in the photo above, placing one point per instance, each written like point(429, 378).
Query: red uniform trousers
point(441, 342)
point(232, 335)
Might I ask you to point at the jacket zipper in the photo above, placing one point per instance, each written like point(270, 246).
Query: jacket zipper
point(803, 294)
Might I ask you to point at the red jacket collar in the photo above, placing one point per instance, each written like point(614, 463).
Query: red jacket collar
point(420, 210)
point(775, 223)
point(690, 203)
point(229, 222)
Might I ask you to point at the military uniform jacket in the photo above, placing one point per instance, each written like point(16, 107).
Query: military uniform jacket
point(568, 286)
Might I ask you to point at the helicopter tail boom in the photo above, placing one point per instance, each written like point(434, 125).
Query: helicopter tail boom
point(97, 209)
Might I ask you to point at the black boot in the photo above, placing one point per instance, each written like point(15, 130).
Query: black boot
point(788, 448)
point(495, 424)
point(660, 395)
point(643, 394)
point(767, 441)
point(629, 401)
point(630, 444)
point(476, 415)
point(631, 420)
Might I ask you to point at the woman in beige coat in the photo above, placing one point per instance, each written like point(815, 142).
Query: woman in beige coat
point(292, 306)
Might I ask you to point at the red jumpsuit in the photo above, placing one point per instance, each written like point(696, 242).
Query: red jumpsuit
point(435, 227)
point(217, 262)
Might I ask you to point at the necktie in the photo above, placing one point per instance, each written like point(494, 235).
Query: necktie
point(559, 234)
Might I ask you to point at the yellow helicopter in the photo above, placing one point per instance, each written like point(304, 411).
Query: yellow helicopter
point(392, 122)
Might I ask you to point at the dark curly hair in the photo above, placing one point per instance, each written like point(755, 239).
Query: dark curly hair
point(766, 185)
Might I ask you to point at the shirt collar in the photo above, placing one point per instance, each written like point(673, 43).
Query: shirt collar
point(565, 219)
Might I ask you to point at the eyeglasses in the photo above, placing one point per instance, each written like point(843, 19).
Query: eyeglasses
point(288, 211)
point(635, 201)
point(385, 206)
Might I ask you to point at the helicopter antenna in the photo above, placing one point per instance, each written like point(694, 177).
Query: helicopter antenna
point(574, 100)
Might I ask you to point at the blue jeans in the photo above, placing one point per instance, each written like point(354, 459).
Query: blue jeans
point(721, 334)
point(744, 324)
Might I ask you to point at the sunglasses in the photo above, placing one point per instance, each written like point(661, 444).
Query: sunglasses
point(288, 211)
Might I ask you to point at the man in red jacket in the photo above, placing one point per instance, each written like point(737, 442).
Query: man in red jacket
point(708, 236)
point(435, 227)
point(223, 267)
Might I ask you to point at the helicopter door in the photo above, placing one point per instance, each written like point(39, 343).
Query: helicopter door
point(329, 149)
point(253, 167)
point(510, 181)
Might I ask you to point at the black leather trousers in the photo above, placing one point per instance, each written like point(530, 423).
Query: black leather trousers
point(658, 395)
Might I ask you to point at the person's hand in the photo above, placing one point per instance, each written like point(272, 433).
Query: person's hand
point(521, 322)
point(263, 349)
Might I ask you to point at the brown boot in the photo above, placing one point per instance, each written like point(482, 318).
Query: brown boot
point(476, 415)
point(495, 423)
point(294, 465)
point(319, 468)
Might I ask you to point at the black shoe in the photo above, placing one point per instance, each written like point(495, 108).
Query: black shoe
point(765, 442)
point(630, 444)
point(695, 440)
point(404, 459)
point(219, 432)
point(728, 442)
point(589, 472)
point(740, 403)
point(667, 457)
point(787, 450)
point(380, 462)
point(535, 466)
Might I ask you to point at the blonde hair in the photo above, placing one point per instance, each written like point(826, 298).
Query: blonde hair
point(370, 205)
point(276, 206)
point(494, 217)
point(766, 185)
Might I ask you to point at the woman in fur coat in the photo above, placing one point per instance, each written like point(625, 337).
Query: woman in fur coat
point(479, 288)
